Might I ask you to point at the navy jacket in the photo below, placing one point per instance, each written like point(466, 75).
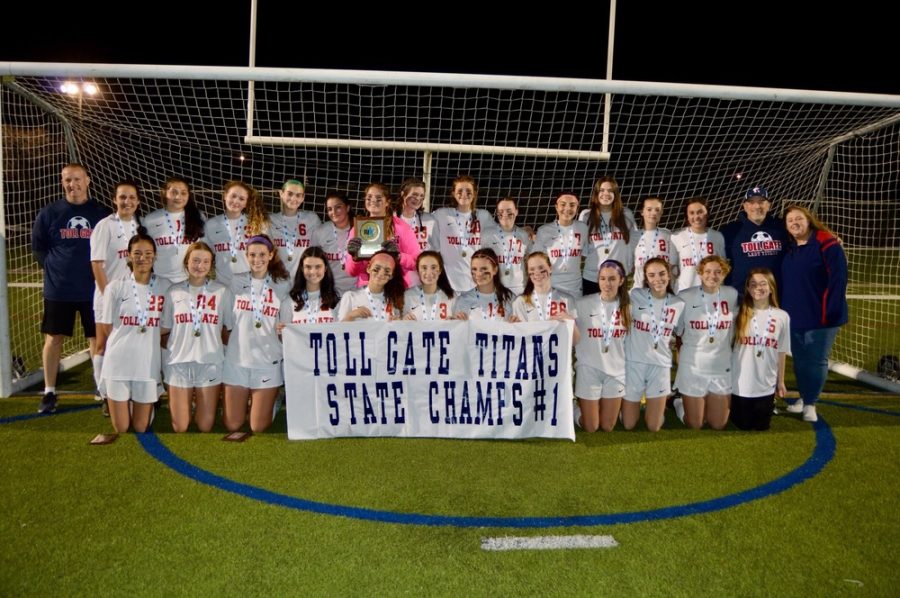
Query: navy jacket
point(815, 283)
point(749, 245)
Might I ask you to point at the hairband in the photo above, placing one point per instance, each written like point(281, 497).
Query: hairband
point(262, 241)
point(615, 265)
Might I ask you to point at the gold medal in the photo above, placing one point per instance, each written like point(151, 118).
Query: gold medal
point(656, 345)
point(463, 253)
point(290, 258)
point(196, 333)
point(711, 339)
point(606, 251)
point(606, 349)
point(233, 259)
point(759, 353)
point(506, 271)
point(258, 324)
point(143, 329)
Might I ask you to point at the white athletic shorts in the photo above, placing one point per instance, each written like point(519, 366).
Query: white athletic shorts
point(692, 384)
point(254, 378)
point(592, 384)
point(643, 379)
point(139, 391)
point(193, 374)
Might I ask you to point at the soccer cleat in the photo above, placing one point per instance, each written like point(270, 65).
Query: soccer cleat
point(795, 407)
point(48, 403)
point(809, 413)
point(678, 404)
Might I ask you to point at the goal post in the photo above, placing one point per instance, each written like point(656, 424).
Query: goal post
point(528, 137)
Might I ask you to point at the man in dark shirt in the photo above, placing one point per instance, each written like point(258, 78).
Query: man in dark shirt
point(61, 242)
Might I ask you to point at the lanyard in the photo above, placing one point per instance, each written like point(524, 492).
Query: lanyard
point(712, 321)
point(657, 327)
point(569, 242)
point(143, 314)
point(238, 233)
point(606, 324)
point(378, 313)
point(257, 306)
point(310, 311)
point(463, 232)
point(759, 338)
point(178, 234)
point(434, 306)
point(195, 306)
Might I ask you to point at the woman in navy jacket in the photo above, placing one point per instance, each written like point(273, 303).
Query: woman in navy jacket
point(814, 293)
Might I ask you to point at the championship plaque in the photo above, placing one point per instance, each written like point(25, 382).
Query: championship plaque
point(372, 233)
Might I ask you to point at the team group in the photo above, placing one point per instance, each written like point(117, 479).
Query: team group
point(205, 301)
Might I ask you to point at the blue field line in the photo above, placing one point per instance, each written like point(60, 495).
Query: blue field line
point(860, 408)
point(59, 411)
point(823, 453)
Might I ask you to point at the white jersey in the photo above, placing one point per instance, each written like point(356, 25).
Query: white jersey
point(361, 297)
point(228, 239)
point(478, 306)
point(292, 235)
point(608, 243)
point(564, 245)
point(333, 242)
point(312, 311)
point(754, 362)
point(457, 240)
point(130, 354)
point(249, 345)
point(692, 247)
point(511, 248)
point(654, 323)
point(195, 317)
point(109, 244)
point(602, 335)
point(707, 316)
point(428, 307)
point(167, 230)
point(648, 244)
point(422, 225)
point(544, 306)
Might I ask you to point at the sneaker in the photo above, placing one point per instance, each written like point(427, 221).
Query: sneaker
point(48, 403)
point(105, 408)
point(678, 404)
point(796, 407)
point(576, 414)
point(809, 413)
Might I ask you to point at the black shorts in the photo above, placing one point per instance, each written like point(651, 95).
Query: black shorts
point(59, 317)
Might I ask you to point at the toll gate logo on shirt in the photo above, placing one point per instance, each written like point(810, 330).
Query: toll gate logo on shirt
point(761, 243)
point(78, 227)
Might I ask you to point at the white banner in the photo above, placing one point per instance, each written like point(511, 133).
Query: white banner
point(453, 379)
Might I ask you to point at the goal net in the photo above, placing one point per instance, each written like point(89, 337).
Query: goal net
point(528, 138)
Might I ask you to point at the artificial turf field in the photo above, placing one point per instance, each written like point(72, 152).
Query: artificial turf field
point(800, 510)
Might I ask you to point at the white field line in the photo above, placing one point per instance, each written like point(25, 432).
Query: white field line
point(547, 542)
point(868, 297)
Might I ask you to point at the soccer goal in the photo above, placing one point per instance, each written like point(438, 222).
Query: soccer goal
point(525, 137)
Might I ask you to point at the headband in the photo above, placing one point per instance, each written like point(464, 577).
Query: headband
point(614, 265)
point(262, 241)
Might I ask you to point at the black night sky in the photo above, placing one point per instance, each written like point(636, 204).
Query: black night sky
point(763, 43)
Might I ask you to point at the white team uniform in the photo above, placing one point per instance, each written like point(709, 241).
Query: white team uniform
point(598, 372)
point(167, 230)
point(544, 306)
point(212, 309)
point(511, 248)
point(691, 248)
point(333, 242)
point(608, 243)
point(453, 237)
point(705, 366)
point(381, 310)
point(422, 225)
point(133, 356)
point(648, 244)
point(648, 352)
point(482, 307)
point(564, 245)
point(312, 311)
point(757, 376)
point(292, 235)
point(109, 244)
point(428, 307)
point(228, 239)
point(249, 347)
